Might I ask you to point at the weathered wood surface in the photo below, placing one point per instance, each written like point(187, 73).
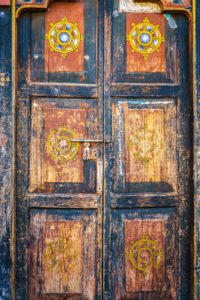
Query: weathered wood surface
point(139, 6)
point(135, 61)
point(74, 61)
point(115, 205)
point(145, 255)
point(149, 133)
point(196, 96)
point(54, 158)
point(62, 255)
point(138, 235)
point(59, 218)
point(76, 66)
point(141, 64)
point(50, 163)
point(129, 199)
point(6, 153)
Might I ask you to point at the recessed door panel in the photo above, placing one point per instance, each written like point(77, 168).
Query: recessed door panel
point(145, 254)
point(145, 48)
point(62, 254)
point(63, 43)
point(145, 146)
point(58, 158)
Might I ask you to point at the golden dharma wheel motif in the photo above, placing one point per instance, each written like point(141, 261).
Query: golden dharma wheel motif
point(145, 254)
point(145, 38)
point(145, 144)
point(64, 37)
point(59, 145)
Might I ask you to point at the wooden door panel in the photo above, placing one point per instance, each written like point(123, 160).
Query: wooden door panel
point(145, 145)
point(153, 61)
point(62, 254)
point(147, 56)
point(50, 59)
point(57, 163)
point(145, 254)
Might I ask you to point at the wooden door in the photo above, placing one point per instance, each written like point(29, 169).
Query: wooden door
point(103, 157)
point(60, 138)
point(147, 231)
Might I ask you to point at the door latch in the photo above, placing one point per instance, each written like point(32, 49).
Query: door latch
point(90, 152)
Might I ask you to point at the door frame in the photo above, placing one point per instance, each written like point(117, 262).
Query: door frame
point(8, 147)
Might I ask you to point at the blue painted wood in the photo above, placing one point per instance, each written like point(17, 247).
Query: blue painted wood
point(197, 149)
point(6, 152)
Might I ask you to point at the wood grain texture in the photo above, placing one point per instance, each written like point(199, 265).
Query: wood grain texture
point(74, 61)
point(144, 144)
point(62, 255)
point(114, 258)
point(45, 168)
point(149, 152)
point(7, 182)
point(135, 61)
point(137, 235)
point(146, 275)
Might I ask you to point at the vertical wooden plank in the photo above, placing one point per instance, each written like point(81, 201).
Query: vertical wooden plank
point(196, 98)
point(6, 153)
point(37, 47)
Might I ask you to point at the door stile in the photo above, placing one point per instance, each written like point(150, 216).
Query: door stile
point(107, 151)
point(185, 144)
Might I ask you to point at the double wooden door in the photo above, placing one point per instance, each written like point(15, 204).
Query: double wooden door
point(103, 154)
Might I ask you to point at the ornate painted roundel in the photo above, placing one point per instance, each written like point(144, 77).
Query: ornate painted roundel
point(59, 145)
point(145, 254)
point(145, 38)
point(64, 37)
